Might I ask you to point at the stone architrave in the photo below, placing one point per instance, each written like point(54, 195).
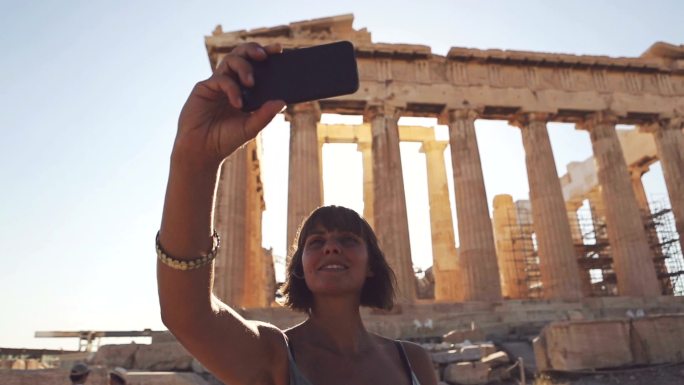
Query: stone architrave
point(304, 181)
point(389, 199)
point(669, 140)
point(632, 257)
point(230, 220)
point(445, 259)
point(477, 251)
point(367, 157)
point(554, 239)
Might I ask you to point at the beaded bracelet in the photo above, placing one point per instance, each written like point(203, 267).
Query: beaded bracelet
point(189, 264)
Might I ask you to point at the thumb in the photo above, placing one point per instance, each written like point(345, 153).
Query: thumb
point(261, 117)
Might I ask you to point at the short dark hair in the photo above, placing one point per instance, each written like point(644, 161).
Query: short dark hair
point(377, 291)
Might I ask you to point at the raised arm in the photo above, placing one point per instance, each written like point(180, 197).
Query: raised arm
point(211, 126)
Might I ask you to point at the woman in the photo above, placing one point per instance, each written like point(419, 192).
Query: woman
point(336, 256)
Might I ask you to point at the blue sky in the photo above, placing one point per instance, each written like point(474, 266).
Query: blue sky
point(89, 98)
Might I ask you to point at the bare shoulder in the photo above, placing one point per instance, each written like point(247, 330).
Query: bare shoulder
point(421, 363)
point(271, 335)
point(274, 340)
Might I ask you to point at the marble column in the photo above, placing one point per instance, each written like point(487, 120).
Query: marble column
point(367, 157)
point(445, 260)
point(669, 140)
point(230, 220)
point(632, 257)
point(635, 174)
point(256, 272)
point(578, 240)
point(598, 214)
point(389, 199)
point(477, 252)
point(304, 193)
point(571, 208)
point(509, 248)
point(649, 227)
point(554, 240)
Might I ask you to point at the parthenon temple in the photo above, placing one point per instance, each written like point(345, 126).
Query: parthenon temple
point(527, 249)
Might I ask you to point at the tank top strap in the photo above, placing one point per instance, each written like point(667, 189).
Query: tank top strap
point(296, 377)
point(407, 363)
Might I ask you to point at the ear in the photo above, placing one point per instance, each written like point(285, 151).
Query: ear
point(369, 273)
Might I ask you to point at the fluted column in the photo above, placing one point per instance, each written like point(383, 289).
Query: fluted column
point(632, 257)
point(669, 140)
point(477, 252)
point(578, 241)
point(230, 220)
point(445, 260)
point(367, 157)
point(598, 214)
point(509, 239)
point(571, 208)
point(256, 269)
point(389, 199)
point(304, 193)
point(635, 174)
point(557, 257)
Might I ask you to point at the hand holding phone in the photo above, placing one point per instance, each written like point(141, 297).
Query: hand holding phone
point(304, 74)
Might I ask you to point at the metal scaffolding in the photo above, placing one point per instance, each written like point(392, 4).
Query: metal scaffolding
point(593, 250)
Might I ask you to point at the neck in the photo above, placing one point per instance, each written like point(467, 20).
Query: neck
point(336, 325)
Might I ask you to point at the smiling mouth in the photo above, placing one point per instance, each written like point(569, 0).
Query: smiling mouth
point(333, 267)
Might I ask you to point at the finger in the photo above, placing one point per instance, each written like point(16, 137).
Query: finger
point(228, 86)
point(238, 65)
point(261, 117)
point(273, 49)
point(252, 51)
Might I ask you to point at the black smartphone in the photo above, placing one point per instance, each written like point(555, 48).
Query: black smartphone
point(303, 74)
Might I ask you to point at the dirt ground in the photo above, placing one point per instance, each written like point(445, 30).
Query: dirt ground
point(652, 375)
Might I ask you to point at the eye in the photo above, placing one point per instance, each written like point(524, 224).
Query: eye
point(314, 241)
point(349, 240)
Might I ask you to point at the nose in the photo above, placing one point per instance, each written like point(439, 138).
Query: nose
point(332, 246)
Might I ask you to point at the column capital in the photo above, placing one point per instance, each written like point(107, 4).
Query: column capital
point(363, 146)
point(299, 108)
point(523, 119)
point(597, 118)
point(637, 171)
point(672, 123)
point(433, 145)
point(454, 115)
point(382, 109)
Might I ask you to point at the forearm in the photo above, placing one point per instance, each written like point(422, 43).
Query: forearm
point(185, 233)
point(186, 226)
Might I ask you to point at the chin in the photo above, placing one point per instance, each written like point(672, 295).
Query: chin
point(335, 290)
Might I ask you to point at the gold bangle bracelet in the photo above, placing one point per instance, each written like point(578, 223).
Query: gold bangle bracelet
point(188, 264)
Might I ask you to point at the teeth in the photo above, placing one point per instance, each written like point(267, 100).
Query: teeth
point(333, 267)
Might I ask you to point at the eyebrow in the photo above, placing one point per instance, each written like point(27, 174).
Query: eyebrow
point(315, 232)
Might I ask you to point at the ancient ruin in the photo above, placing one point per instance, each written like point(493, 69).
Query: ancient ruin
point(528, 89)
point(588, 268)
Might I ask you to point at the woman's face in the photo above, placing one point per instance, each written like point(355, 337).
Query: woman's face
point(334, 262)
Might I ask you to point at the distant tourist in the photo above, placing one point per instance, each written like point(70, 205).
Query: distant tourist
point(337, 266)
point(79, 373)
point(117, 376)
